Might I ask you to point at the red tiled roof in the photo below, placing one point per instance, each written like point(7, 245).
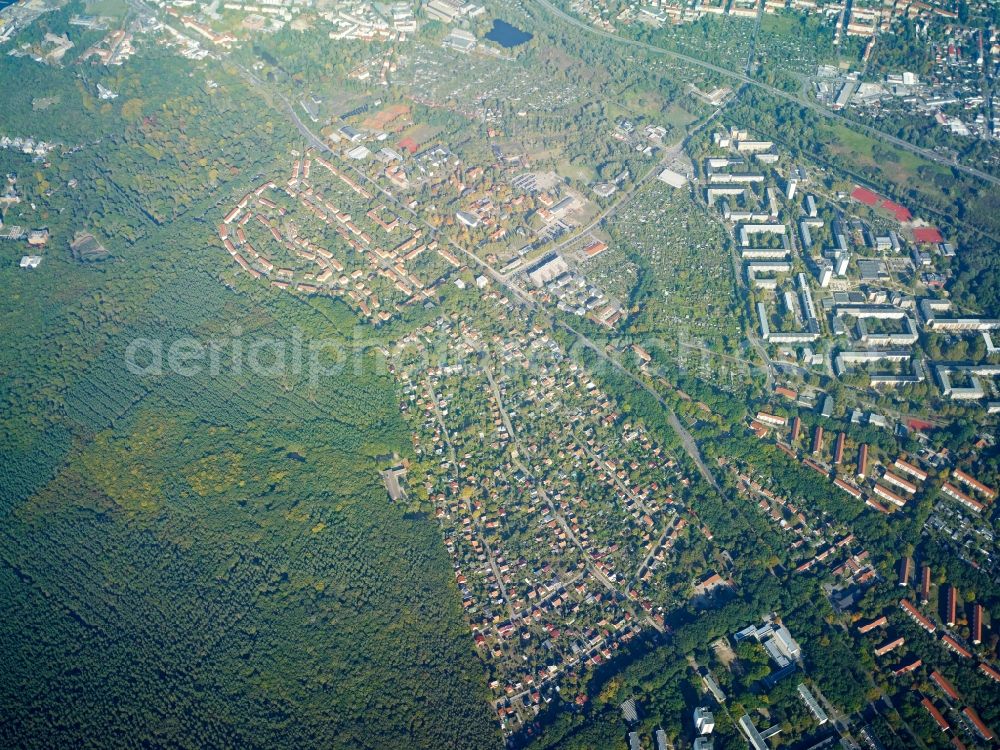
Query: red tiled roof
point(989, 671)
point(945, 685)
point(971, 715)
point(935, 714)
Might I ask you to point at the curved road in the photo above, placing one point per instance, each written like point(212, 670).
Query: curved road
point(801, 101)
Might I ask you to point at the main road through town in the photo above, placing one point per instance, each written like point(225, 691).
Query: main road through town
point(747, 80)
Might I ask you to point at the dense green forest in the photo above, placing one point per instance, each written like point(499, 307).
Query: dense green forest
point(196, 549)
point(200, 556)
point(209, 560)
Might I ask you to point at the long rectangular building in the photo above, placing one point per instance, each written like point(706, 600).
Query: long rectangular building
point(815, 466)
point(838, 449)
point(956, 494)
point(985, 732)
point(868, 627)
point(892, 645)
point(886, 494)
point(976, 629)
point(951, 606)
point(955, 646)
point(812, 704)
point(935, 714)
point(849, 488)
point(753, 736)
point(817, 446)
point(907, 668)
point(907, 468)
point(925, 584)
point(913, 612)
point(974, 483)
point(989, 671)
point(771, 419)
point(898, 481)
point(945, 685)
point(873, 503)
point(863, 460)
point(905, 568)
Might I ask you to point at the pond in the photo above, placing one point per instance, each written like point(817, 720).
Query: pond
point(506, 35)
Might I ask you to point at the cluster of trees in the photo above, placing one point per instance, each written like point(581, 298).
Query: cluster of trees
point(216, 546)
point(204, 558)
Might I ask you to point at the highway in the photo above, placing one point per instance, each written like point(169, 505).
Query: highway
point(801, 101)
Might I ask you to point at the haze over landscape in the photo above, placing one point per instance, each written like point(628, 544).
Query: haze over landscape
point(542, 374)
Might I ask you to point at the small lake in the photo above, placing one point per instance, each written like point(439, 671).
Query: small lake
point(506, 35)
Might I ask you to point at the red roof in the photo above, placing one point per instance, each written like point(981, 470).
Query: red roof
point(972, 716)
point(935, 714)
point(989, 671)
point(946, 686)
point(955, 646)
point(864, 195)
point(918, 424)
point(928, 235)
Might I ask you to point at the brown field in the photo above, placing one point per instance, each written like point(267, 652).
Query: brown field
point(393, 118)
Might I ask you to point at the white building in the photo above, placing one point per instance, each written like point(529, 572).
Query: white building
point(704, 720)
point(672, 178)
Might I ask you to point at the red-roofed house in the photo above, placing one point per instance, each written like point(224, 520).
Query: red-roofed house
point(935, 714)
point(946, 687)
point(982, 729)
point(955, 646)
point(907, 668)
point(989, 671)
point(976, 627)
point(873, 624)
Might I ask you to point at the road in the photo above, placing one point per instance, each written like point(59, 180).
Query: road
point(687, 441)
point(648, 559)
point(567, 529)
point(668, 157)
point(800, 100)
point(526, 470)
point(767, 366)
point(606, 213)
point(752, 337)
point(685, 437)
point(468, 506)
point(841, 722)
point(614, 476)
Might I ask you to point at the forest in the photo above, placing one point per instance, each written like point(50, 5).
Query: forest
point(199, 557)
point(204, 555)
